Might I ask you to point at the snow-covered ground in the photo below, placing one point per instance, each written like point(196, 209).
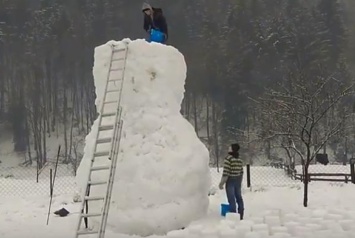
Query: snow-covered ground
point(273, 203)
point(270, 212)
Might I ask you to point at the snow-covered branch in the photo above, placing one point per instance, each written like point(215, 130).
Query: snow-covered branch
point(334, 130)
point(346, 92)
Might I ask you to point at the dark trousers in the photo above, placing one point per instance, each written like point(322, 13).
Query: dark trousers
point(234, 194)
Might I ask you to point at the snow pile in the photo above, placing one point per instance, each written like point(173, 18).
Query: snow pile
point(315, 223)
point(162, 178)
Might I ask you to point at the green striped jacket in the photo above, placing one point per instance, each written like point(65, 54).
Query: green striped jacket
point(233, 167)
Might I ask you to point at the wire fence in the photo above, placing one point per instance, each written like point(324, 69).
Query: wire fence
point(279, 173)
point(25, 181)
point(260, 176)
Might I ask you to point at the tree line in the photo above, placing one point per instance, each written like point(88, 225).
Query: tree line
point(236, 51)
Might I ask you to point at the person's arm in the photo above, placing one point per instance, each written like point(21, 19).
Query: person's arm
point(162, 25)
point(146, 25)
point(226, 172)
point(240, 165)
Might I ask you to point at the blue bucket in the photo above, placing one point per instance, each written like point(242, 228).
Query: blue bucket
point(224, 209)
point(156, 36)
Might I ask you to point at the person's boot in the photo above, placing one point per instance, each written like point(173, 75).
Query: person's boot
point(241, 214)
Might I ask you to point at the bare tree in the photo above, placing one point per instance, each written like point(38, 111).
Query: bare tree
point(295, 111)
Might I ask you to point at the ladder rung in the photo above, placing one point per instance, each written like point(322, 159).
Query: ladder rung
point(116, 69)
point(91, 215)
point(108, 114)
point(97, 168)
point(109, 102)
point(118, 50)
point(102, 153)
point(114, 80)
point(103, 140)
point(113, 90)
point(87, 232)
point(105, 127)
point(97, 182)
point(93, 198)
point(118, 59)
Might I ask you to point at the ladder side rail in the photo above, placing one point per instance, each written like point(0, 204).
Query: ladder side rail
point(108, 196)
point(122, 76)
point(87, 189)
point(107, 80)
point(113, 130)
point(113, 154)
point(112, 157)
point(111, 177)
point(114, 170)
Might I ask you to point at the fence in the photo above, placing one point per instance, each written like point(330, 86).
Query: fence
point(257, 175)
point(278, 174)
point(330, 173)
point(24, 182)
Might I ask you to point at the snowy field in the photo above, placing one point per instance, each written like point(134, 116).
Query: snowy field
point(273, 207)
point(270, 212)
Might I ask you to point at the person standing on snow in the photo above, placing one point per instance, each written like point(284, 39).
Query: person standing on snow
point(154, 19)
point(232, 177)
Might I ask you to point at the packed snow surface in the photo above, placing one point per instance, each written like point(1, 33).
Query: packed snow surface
point(270, 212)
point(162, 179)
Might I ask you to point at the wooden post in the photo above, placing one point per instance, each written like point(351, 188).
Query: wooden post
point(248, 176)
point(352, 170)
point(50, 182)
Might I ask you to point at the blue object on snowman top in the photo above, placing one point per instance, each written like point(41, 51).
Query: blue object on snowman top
point(156, 36)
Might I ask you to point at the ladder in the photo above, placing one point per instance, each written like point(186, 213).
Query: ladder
point(108, 135)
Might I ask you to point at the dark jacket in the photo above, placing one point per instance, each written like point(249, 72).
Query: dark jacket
point(158, 22)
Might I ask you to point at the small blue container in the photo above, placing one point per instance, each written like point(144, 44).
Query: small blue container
point(156, 36)
point(224, 209)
